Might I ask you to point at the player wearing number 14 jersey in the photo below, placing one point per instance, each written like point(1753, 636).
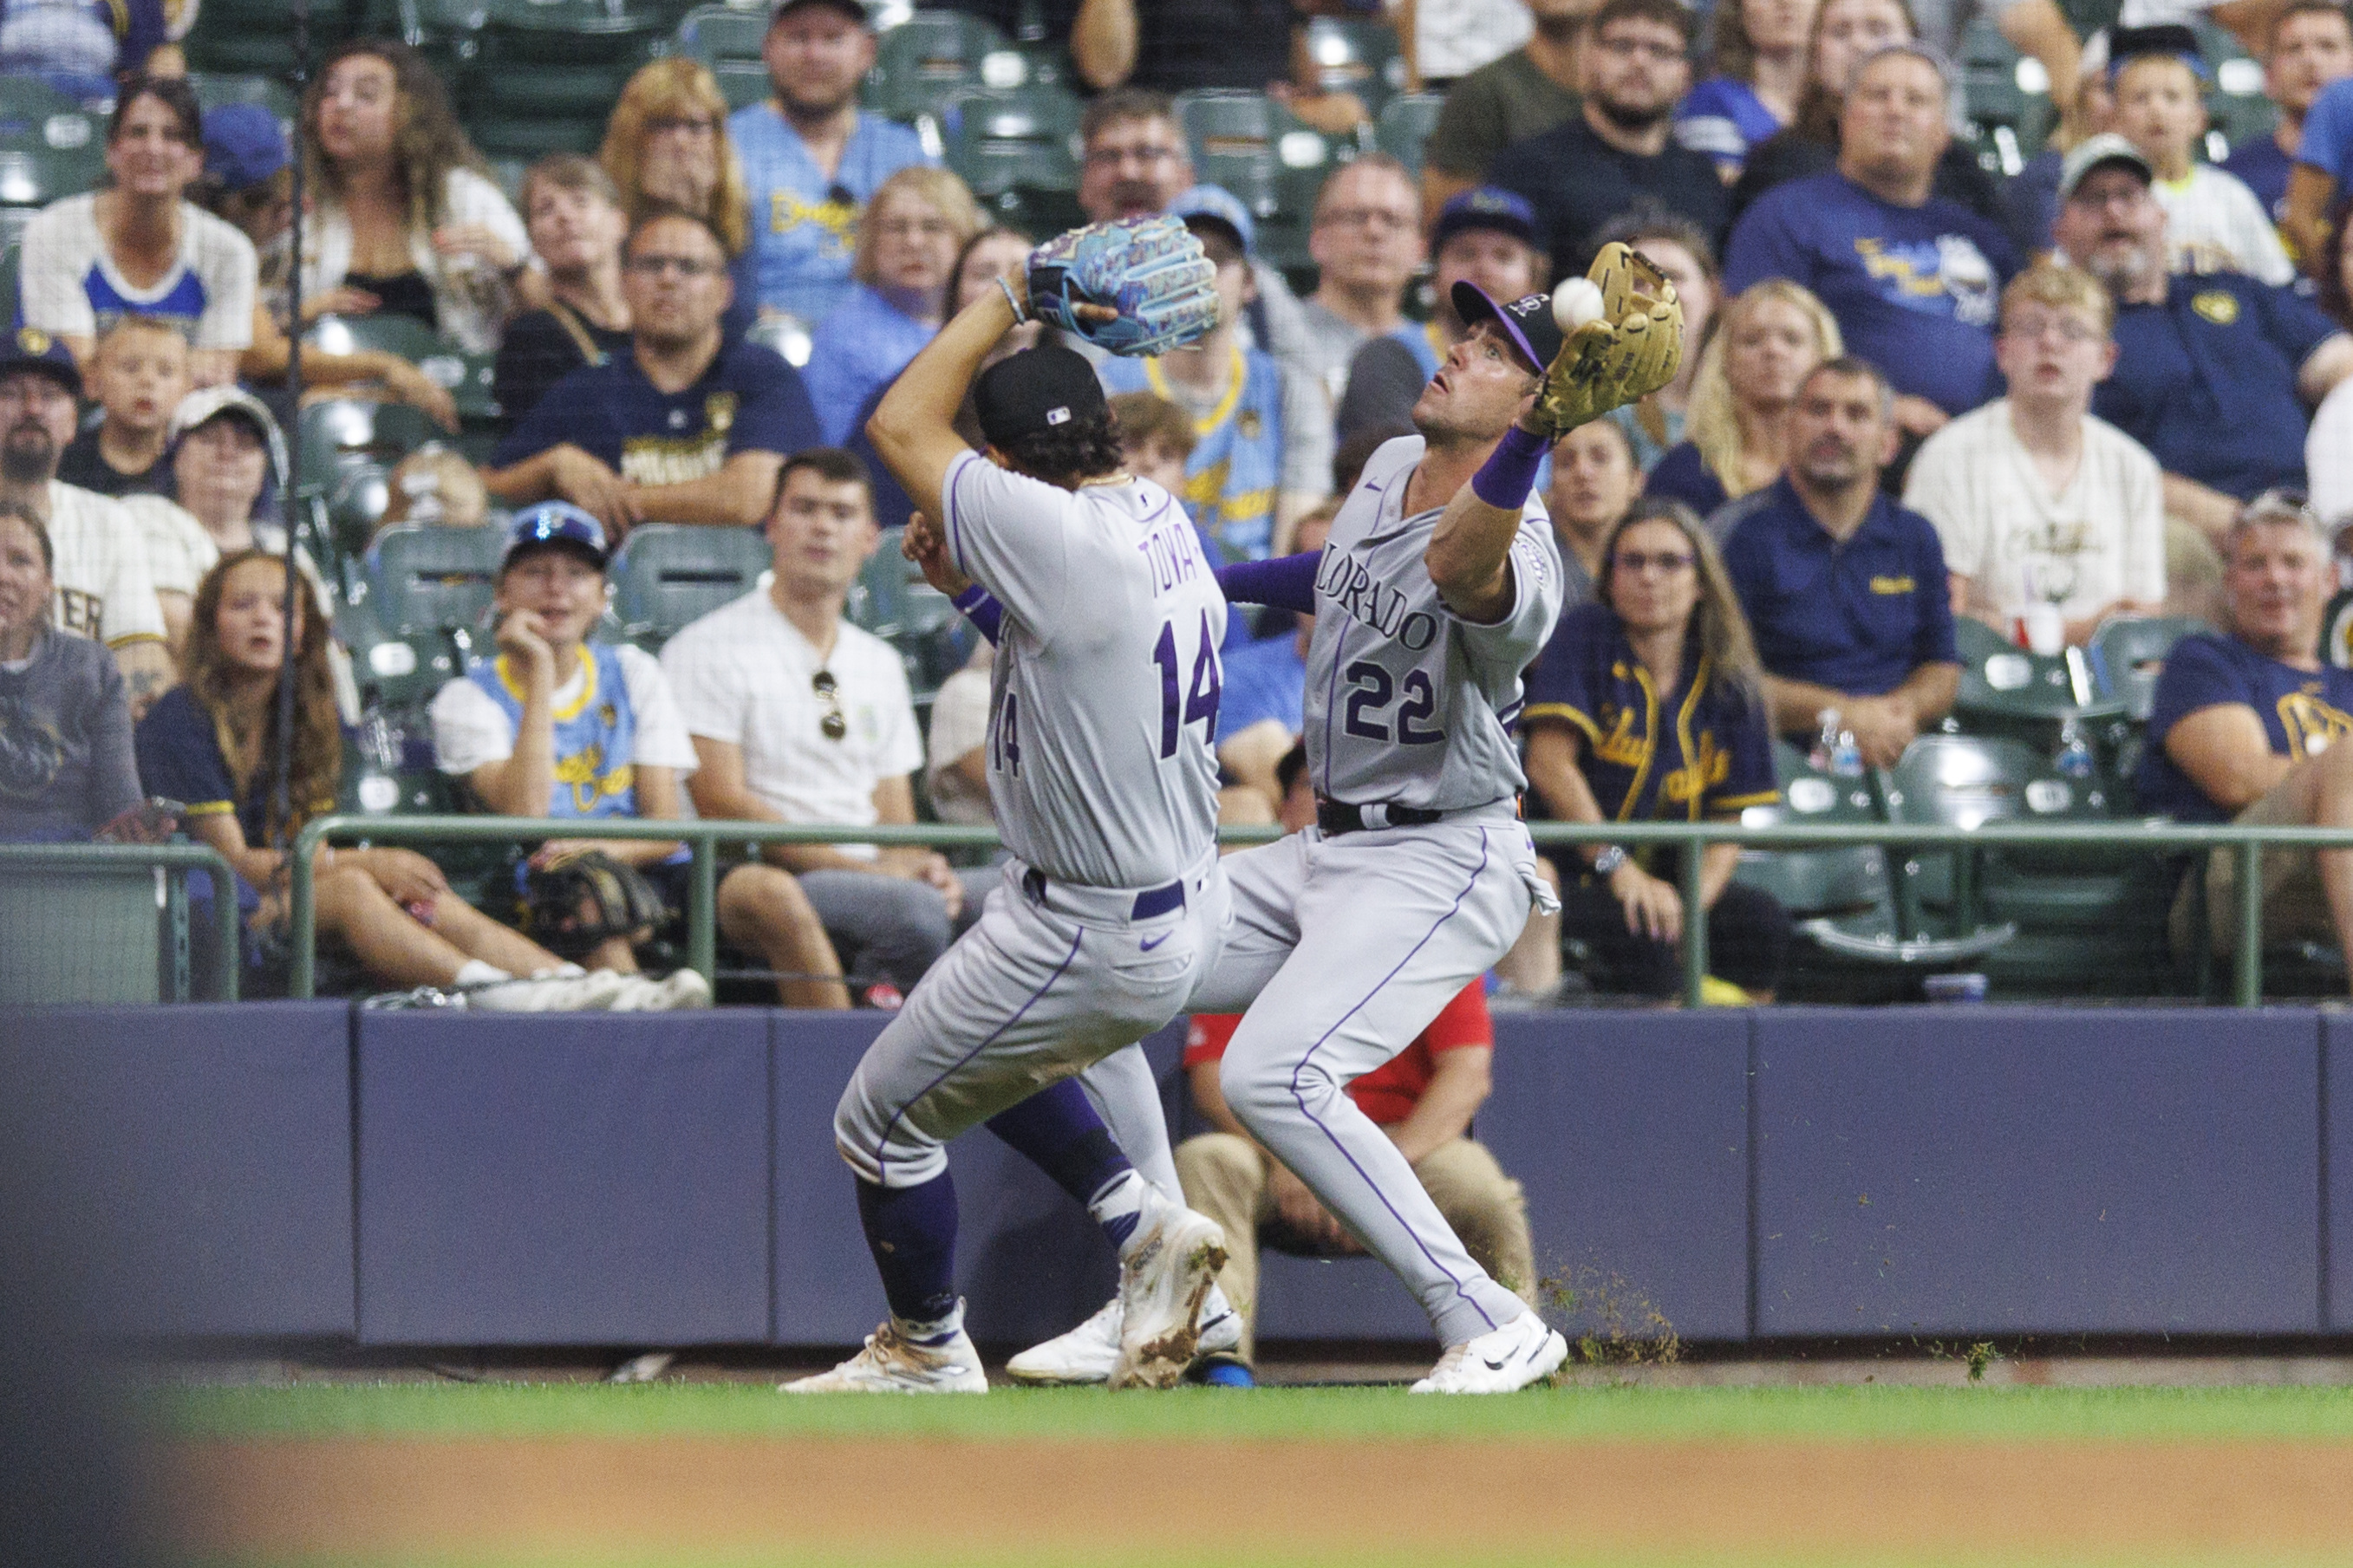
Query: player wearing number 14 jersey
point(1104, 695)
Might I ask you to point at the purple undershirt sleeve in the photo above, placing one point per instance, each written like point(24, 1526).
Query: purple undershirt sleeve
point(1287, 582)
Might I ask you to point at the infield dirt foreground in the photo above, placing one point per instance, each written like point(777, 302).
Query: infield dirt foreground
point(948, 1499)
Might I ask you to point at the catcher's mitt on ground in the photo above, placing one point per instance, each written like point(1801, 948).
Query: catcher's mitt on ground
point(1131, 287)
point(572, 906)
point(1631, 352)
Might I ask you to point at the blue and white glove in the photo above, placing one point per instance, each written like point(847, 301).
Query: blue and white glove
point(1131, 287)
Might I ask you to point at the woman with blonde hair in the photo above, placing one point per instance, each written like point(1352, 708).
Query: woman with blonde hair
point(908, 244)
point(1766, 340)
point(212, 742)
point(1648, 705)
point(666, 148)
point(408, 221)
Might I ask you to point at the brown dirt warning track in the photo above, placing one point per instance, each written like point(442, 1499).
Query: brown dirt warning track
point(2219, 1501)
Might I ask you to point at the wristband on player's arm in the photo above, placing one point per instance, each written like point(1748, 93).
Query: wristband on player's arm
point(1508, 475)
point(1287, 582)
point(981, 608)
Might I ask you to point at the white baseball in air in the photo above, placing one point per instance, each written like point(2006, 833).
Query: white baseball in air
point(1575, 301)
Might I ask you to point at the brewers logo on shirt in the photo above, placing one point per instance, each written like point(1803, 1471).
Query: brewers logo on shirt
point(2217, 305)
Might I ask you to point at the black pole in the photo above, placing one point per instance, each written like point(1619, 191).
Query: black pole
point(290, 486)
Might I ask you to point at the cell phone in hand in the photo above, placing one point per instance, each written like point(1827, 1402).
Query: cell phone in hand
point(151, 821)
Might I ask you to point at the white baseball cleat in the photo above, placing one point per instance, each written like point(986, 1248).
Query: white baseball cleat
point(892, 1364)
point(1163, 1287)
point(1499, 1360)
point(1090, 1352)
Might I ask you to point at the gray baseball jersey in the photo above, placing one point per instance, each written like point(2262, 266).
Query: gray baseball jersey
point(1104, 692)
point(1408, 703)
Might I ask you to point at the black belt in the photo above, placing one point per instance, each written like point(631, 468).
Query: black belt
point(1149, 903)
point(1338, 816)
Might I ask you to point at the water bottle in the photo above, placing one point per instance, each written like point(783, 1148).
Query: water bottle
point(1846, 756)
point(1825, 742)
point(2074, 760)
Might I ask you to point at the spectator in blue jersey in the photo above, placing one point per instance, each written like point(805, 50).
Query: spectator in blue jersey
point(553, 724)
point(1485, 236)
point(140, 248)
point(1648, 704)
point(1263, 444)
point(1912, 279)
point(1264, 700)
point(81, 47)
point(1760, 74)
point(1616, 154)
point(812, 160)
point(2310, 46)
point(2252, 725)
point(1844, 589)
point(2323, 171)
point(917, 225)
point(691, 426)
point(2214, 373)
point(1366, 238)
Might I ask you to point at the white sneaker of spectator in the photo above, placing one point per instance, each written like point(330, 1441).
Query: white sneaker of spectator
point(555, 991)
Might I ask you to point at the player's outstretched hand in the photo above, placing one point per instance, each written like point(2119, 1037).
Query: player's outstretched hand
point(1131, 287)
point(1631, 352)
point(927, 547)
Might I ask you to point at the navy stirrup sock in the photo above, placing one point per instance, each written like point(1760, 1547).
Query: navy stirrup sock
point(912, 1232)
point(1057, 1130)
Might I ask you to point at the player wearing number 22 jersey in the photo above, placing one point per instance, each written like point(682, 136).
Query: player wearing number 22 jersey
point(1103, 698)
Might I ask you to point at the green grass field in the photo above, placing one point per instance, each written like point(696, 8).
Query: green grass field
point(1303, 1414)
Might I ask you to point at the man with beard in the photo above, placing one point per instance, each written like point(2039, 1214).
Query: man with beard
point(1845, 589)
point(2214, 372)
point(1913, 279)
point(811, 160)
point(1619, 154)
point(102, 589)
point(691, 426)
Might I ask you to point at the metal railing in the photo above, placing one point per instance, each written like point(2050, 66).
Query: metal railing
point(705, 838)
point(176, 859)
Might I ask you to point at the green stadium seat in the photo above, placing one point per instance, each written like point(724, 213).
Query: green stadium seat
point(1017, 150)
point(2128, 652)
point(728, 41)
point(1405, 123)
point(1350, 54)
point(929, 58)
point(1257, 150)
point(49, 146)
point(666, 576)
point(2006, 690)
point(216, 91)
point(422, 608)
point(345, 433)
point(2236, 108)
point(388, 331)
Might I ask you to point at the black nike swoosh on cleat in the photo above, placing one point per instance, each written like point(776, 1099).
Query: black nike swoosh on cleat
point(1496, 1365)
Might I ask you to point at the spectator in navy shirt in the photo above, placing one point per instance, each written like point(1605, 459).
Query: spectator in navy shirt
point(689, 426)
point(1845, 590)
point(2311, 46)
point(1617, 153)
point(2214, 373)
point(2250, 725)
point(1913, 279)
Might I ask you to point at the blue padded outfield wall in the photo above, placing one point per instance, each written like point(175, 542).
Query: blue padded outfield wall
point(285, 1170)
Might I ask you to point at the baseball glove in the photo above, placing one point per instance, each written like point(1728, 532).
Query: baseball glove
point(572, 906)
point(1141, 287)
point(1631, 352)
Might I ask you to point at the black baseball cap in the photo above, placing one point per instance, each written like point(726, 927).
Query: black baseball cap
point(850, 8)
point(29, 347)
point(1037, 390)
point(1526, 321)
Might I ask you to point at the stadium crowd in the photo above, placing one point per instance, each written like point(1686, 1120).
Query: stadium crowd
point(1942, 407)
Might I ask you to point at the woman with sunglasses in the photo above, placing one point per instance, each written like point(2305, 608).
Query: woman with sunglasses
point(1648, 705)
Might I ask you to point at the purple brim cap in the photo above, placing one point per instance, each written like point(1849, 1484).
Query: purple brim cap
point(1527, 321)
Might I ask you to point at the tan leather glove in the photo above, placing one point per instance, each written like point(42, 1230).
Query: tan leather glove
point(1631, 352)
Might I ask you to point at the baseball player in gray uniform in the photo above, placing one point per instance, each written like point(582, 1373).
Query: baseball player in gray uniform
point(1104, 695)
point(1441, 583)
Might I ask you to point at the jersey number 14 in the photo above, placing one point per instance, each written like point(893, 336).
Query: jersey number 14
point(1201, 694)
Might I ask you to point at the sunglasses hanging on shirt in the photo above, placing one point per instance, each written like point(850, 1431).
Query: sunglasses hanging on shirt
point(834, 723)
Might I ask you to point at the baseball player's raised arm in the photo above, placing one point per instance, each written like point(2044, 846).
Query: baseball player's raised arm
point(1469, 551)
point(913, 427)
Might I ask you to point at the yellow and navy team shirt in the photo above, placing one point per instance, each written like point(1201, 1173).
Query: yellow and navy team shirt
point(2304, 712)
point(748, 400)
point(1701, 750)
point(596, 733)
point(1236, 469)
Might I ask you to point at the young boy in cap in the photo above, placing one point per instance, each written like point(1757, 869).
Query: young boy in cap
point(139, 374)
point(554, 725)
point(1244, 479)
point(2215, 222)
